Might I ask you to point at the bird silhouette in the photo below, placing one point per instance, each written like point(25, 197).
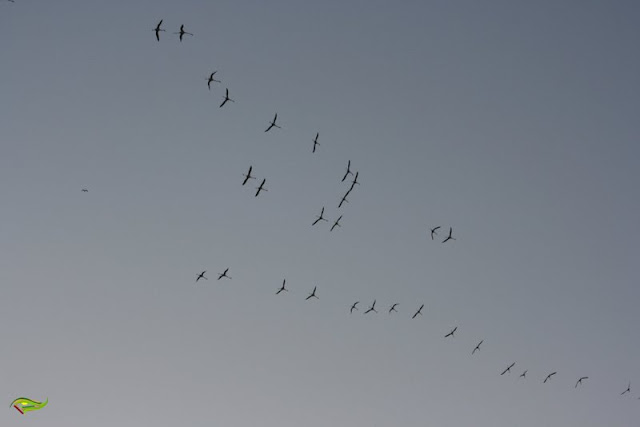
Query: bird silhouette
point(450, 334)
point(84, 190)
point(336, 224)
point(261, 188)
point(355, 181)
point(372, 308)
point(212, 79)
point(353, 307)
point(393, 308)
point(315, 142)
point(348, 172)
point(344, 199)
point(157, 29)
point(273, 124)
point(433, 232)
point(220, 276)
point(320, 218)
point(182, 32)
point(523, 375)
point(628, 390)
point(248, 176)
point(449, 237)
point(580, 381)
point(418, 312)
point(201, 276)
point(549, 377)
point(508, 369)
point(477, 348)
point(226, 98)
point(313, 294)
point(282, 288)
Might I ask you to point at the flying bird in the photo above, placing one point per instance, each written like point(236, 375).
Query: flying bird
point(273, 124)
point(220, 276)
point(508, 369)
point(449, 237)
point(393, 308)
point(248, 176)
point(524, 374)
point(548, 377)
point(211, 79)
point(182, 32)
point(157, 29)
point(282, 288)
point(477, 347)
point(433, 232)
point(344, 199)
point(372, 308)
point(355, 181)
point(580, 381)
point(315, 142)
point(418, 312)
point(336, 224)
point(261, 188)
point(450, 334)
point(226, 98)
point(84, 190)
point(628, 390)
point(313, 294)
point(348, 172)
point(353, 307)
point(320, 218)
point(201, 276)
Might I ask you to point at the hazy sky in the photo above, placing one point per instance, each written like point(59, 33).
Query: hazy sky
point(515, 122)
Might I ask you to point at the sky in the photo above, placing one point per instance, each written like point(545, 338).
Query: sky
point(514, 122)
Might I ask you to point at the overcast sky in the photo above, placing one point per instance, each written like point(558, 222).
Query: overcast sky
point(514, 122)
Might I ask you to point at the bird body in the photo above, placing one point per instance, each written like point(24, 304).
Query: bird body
point(248, 176)
point(477, 348)
point(201, 276)
point(182, 32)
point(508, 369)
point(449, 237)
point(320, 218)
point(273, 124)
point(313, 294)
point(549, 377)
point(418, 312)
point(157, 29)
point(282, 288)
point(221, 275)
point(212, 79)
point(353, 307)
point(450, 334)
point(336, 224)
point(261, 187)
point(372, 308)
point(393, 308)
point(226, 98)
point(315, 142)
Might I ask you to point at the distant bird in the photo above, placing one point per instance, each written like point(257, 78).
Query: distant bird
point(418, 312)
point(315, 142)
point(433, 232)
point(273, 124)
point(336, 224)
point(211, 79)
point(353, 307)
point(320, 218)
point(201, 276)
point(548, 377)
point(393, 308)
point(508, 369)
point(524, 374)
point(248, 176)
point(449, 237)
point(344, 199)
point(348, 172)
point(450, 334)
point(261, 188)
point(282, 288)
point(628, 390)
point(226, 98)
point(313, 294)
point(372, 308)
point(355, 181)
point(477, 347)
point(84, 190)
point(220, 276)
point(182, 32)
point(580, 381)
point(157, 29)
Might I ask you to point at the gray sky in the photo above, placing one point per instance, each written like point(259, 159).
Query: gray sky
point(515, 122)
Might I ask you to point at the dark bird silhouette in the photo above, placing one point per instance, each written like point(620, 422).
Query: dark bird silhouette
point(355, 181)
point(477, 348)
point(320, 218)
point(548, 377)
point(450, 334)
point(182, 32)
point(315, 142)
point(248, 176)
point(220, 276)
point(282, 288)
point(201, 276)
point(449, 237)
point(353, 307)
point(580, 381)
point(226, 98)
point(157, 29)
point(84, 190)
point(433, 232)
point(393, 308)
point(418, 312)
point(508, 369)
point(348, 172)
point(344, 199)
point(524, 374)
point(336, 224)
point(372, 308)
point(212, 79)
point(313, 294)
point(261, 188)
point(628, 390)
point(273, 124)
